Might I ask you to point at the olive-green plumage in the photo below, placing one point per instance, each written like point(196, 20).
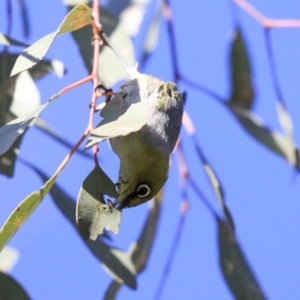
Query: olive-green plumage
point(144, 155)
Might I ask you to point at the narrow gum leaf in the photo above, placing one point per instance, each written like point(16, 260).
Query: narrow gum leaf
point(274, 141)
point(11, 289)
point(78, 17)
point(26, 96)
point(218, 190)
point(23, 212)
point(92, 214)
point(84, 36)
point(8, 259)
point(210, 173)
point(9, 158)
point(7, 41)
point(119, 119)
point(242, 92)
point(12, 130)
point(112, 70)
point(236, 271)
point(30, 56)
point(118, 265)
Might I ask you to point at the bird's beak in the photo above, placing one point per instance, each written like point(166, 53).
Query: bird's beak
point(122, 200)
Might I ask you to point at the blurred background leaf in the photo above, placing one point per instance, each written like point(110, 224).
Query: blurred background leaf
point(10, 289)
point(19, 95)
point(235, 268)
point(116, 262)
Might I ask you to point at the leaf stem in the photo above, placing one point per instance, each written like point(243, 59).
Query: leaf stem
point(263, 20)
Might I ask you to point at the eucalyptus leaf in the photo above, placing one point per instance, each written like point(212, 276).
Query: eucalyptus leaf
point(23, 212)
point(12, 130)
point(92, 214)
point(8, 259)
point(26, 96)
point(236, 271)
point(276, 142)
point(78, 17)
point(119, 119)
point(7, 41)
point(111, 70)
point(116, 262)
point(130, 14)
point(10, 289)
point(18, 96)
point(215, 183)
point(242, 91)
point(9, 158)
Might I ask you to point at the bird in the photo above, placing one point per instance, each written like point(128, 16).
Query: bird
point(144, 155)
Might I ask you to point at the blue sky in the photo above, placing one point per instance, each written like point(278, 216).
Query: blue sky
point(262, 189)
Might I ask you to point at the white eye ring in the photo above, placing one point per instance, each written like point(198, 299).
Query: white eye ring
point(143, 190)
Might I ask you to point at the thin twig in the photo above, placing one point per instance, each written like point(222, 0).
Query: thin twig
point(167, 11)
point(9, 17)
point(273, 69)
point(97, 39)
point(264, 21)
point(183, 172)
point(202, 89)
point(173, 249)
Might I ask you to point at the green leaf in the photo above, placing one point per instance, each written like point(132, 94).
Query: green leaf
point(7, 41)
point(275, 141)
point(111, 70)
point(119, 119)
point(26, 96)
point(235, 268)
point(8, 159)
point(45, 66)
point(11, 289)
point(78, 17)
point(8, 259)
point(19, 95)
point(242, 92)
point(11, 131)
point(129, 13)
point(215, 183)
point(92, 214)
point(23, 212)
point(116, 262)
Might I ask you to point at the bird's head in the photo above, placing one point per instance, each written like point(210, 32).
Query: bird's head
point(141, 179)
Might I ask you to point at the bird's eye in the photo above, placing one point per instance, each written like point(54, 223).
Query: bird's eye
point(143, 190)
